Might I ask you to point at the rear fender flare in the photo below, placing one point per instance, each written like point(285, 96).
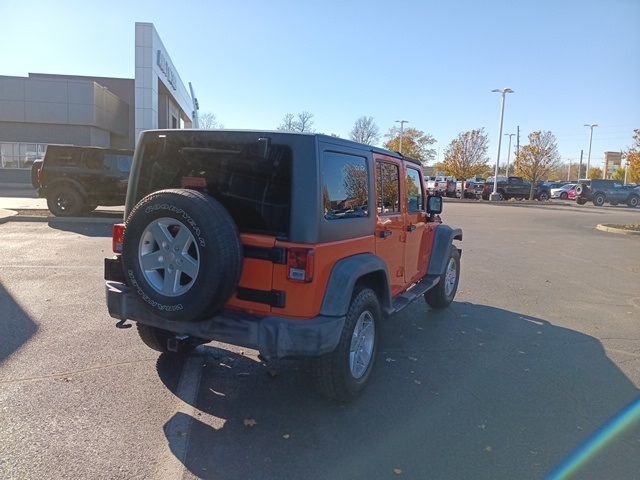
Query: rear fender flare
point(67, 182)
point(345, 276)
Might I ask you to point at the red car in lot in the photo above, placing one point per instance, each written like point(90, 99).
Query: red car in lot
point(571, 195)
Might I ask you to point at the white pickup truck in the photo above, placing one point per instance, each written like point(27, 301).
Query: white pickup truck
point(440, 185)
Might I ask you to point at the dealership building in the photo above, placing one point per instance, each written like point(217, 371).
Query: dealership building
point(44, 109)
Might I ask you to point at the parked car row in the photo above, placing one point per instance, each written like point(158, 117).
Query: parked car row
point(599, 192)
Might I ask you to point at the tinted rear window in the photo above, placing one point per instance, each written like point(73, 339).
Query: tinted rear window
point(63, 157)
point(251, 181)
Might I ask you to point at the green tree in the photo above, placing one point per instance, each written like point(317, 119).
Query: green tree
point(633, 159)
point(594, 173)
point(618, 175)
point(466, 156)
point(538, 158)
point(415, 144)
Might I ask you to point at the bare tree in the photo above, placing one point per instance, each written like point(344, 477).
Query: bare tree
point(365, 131)
point(297, 123)
point(466, 156)
point(208, 121)
point(538, 158)
point(304, 122)
point(288, 123)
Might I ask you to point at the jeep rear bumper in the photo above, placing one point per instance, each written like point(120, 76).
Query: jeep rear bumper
point(273, 337)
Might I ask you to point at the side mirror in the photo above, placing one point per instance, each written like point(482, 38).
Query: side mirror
point(434, 204)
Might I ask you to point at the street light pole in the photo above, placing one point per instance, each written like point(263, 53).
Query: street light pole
point(401, 122)
point(590, 139)
point(509, 152)
point(494, 195)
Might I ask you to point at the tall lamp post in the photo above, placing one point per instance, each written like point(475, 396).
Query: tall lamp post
point(509, 152)
point(494, 195)
point(590, 139)
point(401, 122)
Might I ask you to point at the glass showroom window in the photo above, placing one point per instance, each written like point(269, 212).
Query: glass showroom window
point(20, 155)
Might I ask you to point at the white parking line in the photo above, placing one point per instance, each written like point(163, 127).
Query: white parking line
point(171, 464)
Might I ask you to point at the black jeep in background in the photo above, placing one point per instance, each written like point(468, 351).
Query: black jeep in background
point(607, 191)
point(75, 180)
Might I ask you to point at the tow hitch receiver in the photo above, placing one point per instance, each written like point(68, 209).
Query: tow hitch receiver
point(176, 344)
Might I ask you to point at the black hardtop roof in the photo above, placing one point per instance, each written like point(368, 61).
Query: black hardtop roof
point(319, 136)
point(60, 145)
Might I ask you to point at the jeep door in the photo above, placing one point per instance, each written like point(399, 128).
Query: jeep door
point(390, 221)
point(418, 233)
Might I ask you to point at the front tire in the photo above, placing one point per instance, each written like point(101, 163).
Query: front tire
point(543, 197)
point(444, 292)
point(633, 202)
point(343, 373)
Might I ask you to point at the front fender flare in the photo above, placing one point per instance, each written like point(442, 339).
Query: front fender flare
point(444, 237)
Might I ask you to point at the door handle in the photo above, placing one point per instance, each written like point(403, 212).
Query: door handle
point(411, 228)
point(385, 233)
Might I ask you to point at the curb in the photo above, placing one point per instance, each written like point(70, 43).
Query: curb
point(612, 229)
point(521, 203)
point(7, 215)
point(59, 220)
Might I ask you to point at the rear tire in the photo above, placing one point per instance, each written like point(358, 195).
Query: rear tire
point(581, 201)
point(444, 292)
point(65, 201)
point(343, 374)
point(543, 197)
point(564, 196)
point(633, 201)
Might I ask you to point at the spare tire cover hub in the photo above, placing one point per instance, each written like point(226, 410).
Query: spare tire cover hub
point(168, 256)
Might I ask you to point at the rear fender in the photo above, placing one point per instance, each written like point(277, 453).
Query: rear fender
point(67, 182)
point(345, 275)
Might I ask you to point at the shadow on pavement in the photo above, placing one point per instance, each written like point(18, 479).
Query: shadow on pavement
point(469, 392)
point(88, 229)
point(16, 327)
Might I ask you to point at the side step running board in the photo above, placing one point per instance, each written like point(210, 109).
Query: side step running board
point(416, 291)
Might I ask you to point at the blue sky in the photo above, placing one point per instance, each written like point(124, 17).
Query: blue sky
point(432, 63)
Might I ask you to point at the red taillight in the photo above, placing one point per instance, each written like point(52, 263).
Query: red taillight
point(117, 237)
point(300, 264)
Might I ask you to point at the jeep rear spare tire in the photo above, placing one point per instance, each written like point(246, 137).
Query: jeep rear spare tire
point(182, 254)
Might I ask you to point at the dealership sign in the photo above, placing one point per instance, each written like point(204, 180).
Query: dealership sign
point(165, 68)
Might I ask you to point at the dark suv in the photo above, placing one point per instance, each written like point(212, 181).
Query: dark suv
point(607, 191)
point(75, 180)
point(295, 245)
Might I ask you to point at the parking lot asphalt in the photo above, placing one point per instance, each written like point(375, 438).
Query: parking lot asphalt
point(539, 350)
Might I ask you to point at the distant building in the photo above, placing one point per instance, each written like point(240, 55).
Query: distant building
point(612, 162)
point(44, 109)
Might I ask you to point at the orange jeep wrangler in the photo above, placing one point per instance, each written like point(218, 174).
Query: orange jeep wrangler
point(295, 245)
